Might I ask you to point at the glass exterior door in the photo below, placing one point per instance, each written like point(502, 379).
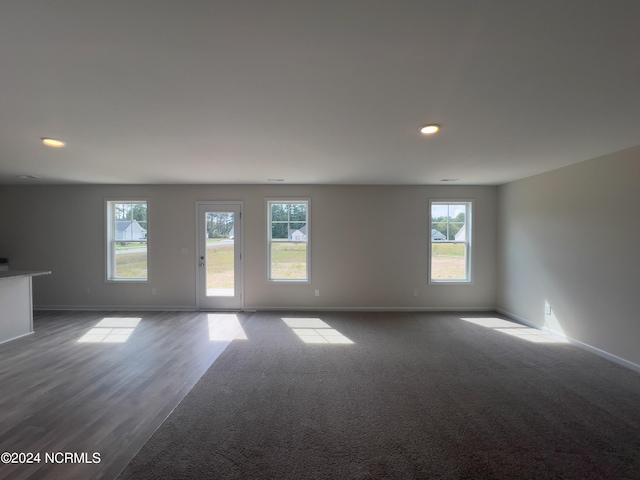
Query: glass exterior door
point(219, 256)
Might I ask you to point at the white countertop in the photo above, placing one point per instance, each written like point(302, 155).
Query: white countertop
point(22, 273)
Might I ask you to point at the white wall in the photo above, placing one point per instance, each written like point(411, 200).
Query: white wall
point(369, 245)
point(570, 237)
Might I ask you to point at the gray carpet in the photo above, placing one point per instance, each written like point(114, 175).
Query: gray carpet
point(415, 396)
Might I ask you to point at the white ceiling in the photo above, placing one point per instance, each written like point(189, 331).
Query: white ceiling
point(314, 91)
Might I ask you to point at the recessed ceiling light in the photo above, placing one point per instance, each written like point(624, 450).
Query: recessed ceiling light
point(449, 179)
point(52, 142)
point(275, 179)
point(430, 129)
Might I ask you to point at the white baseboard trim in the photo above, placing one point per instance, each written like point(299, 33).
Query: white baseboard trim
point(601, 353)
point(520, 319)
point(251, 308)
point(15, 338)
point(370, 309)
point(119, 308)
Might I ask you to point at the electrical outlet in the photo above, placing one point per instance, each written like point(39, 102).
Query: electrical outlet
point(87, 290)
point(547, 308)
point(317, 293)
point(416, 293)
point(154, 291)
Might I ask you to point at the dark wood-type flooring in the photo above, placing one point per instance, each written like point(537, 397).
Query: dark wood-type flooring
point(61, 395)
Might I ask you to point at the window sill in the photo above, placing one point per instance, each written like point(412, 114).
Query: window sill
point(126, 280)
point(289, 282)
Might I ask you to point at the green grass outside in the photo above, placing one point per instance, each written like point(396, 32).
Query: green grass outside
point(220, 263)
point(211, 241)
point(129, 246)
point(131, 265)
point(448, 249)
point(448, 262)
point(289, 261)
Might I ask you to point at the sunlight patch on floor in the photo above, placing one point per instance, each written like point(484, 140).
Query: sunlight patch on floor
point(515, 330)
point(111, 330)
point(315, 330)
point(225, 327)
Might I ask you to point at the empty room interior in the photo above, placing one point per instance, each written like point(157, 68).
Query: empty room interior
point(338, 239)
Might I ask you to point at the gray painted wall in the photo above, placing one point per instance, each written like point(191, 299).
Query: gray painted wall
point(570, 237)
point(369, 245)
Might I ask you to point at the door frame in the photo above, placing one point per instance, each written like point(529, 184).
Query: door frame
point(240, 245)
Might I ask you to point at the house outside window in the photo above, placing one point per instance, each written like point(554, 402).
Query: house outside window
point(127, 240)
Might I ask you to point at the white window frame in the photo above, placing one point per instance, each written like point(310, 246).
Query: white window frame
point(110, 239)
point(468, 241)
point(269, 202)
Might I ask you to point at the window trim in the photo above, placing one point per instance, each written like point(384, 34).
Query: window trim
point(288, 200)
point(468, 241)
point(109, 234)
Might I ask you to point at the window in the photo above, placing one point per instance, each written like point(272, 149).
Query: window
point(450, 242)
point(127, 239)
point(288, 242)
